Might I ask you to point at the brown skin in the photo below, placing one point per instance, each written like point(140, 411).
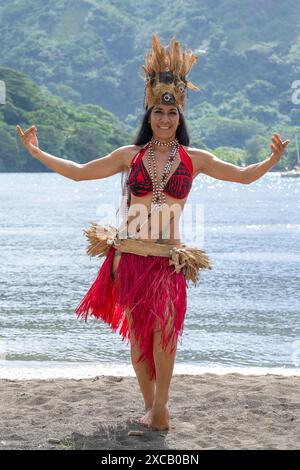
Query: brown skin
point(119, 159)
point(155, 395)
point(164, 115)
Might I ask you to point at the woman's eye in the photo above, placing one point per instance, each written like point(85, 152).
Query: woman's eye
point(172, 112)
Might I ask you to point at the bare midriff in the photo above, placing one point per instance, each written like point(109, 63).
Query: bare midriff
point(162, 229)
point(162, 225)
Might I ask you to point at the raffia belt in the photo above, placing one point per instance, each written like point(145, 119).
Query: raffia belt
point(186, 258)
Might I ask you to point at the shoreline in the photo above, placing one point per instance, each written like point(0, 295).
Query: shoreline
point(47, 370)
point(208, 411)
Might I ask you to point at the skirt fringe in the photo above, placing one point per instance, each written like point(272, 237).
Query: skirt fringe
point(150, 289)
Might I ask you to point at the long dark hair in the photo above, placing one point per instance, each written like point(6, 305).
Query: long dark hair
point(143, 136)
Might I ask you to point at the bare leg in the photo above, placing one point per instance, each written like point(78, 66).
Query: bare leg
point(142, 370)
point(158, 417)
point(164, 364)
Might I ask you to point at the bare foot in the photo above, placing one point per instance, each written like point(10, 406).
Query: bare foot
point(160, 418)
point(157, 418)
point(146, 419)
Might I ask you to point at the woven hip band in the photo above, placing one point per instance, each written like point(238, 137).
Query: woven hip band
point(190, 259)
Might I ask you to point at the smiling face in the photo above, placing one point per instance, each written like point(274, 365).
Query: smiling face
point(164, 120)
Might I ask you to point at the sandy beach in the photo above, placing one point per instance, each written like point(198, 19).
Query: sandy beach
point(207, 411)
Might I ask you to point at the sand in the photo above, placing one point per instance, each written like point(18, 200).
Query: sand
point(207, 411)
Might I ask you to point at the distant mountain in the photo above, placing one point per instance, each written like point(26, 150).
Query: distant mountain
point(80, 133)
point(91, 52)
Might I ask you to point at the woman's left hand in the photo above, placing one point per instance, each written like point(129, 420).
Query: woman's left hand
point(278, 147)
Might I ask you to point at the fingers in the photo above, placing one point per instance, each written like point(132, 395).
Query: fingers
point(20, 132)
point(278, 145)
point(273, 147)
point(29, 137)
point(28, 131)
point(277, 140)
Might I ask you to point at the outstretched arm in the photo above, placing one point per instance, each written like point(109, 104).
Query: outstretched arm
point(256, 170)
point(217, 168)
point(95, 169)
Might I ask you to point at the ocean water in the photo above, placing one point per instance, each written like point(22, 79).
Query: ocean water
point(243, 316)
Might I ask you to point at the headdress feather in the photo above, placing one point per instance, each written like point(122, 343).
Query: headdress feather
point(165, 73)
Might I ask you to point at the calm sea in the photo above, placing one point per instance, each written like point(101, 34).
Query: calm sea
point(243, 316)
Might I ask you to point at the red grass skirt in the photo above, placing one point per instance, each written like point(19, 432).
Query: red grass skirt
point(150, 288)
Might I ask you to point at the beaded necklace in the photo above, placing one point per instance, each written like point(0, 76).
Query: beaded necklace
point(158, 197)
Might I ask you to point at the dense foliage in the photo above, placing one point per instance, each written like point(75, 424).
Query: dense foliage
point(80, 133)
point(73, 68)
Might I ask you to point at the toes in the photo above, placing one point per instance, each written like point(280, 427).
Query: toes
point(145, 425)
point(156, 428)
point(141, 423)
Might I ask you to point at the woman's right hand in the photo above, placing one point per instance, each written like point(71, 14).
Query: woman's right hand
point(29, 139)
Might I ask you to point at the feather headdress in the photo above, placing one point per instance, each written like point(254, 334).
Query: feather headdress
point(165, 74)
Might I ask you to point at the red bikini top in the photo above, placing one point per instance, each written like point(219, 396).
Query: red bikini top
point(178, 186)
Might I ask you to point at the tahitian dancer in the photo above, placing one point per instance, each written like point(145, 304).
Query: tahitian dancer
point(141, 286)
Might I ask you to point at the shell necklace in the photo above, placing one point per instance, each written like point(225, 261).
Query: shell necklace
point(158, 197)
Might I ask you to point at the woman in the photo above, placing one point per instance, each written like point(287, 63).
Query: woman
point(144, 295)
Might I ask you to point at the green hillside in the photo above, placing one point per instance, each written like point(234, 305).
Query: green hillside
point(80, 133)
point(89, 53)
